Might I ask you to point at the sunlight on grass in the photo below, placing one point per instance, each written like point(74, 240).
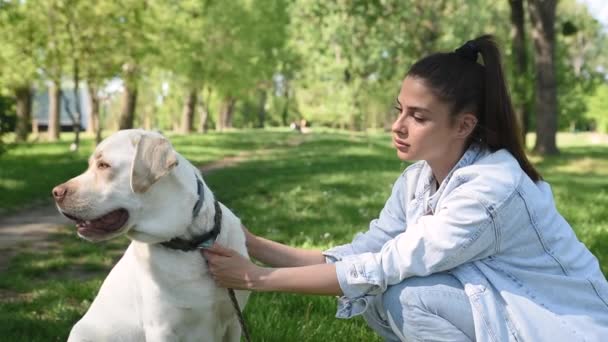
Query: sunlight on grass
point(12, 184)
point(584, 165)
point(314, 191)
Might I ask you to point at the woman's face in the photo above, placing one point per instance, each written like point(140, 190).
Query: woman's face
point(423, 130)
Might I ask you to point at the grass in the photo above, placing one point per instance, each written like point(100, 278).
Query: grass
point(315, 194)
point(29, 171)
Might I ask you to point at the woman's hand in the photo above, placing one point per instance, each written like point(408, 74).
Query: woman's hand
point(230, 269)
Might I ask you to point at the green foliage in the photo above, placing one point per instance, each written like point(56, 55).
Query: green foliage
point(333, 63)
point(598, 108)
point(357, 52)
point(581, 53)
point(19, 38)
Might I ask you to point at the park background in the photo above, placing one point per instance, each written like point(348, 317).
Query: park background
point(285, 104)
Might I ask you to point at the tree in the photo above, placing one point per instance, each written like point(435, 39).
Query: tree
point(52, 61)
point(580, 63)
point(17, 68)
point(355, 53)
point(542, 17)
point(520, 63)
point(100, 41)
point(248, 43)
point(137, 25)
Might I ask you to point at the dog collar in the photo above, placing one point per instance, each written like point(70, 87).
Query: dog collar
point(204, 240)
point(201, 241)
point(201, 197)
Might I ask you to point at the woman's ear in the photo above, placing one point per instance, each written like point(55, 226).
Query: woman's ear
point(466, 125)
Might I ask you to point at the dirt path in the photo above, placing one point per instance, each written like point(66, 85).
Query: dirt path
point(30, 228)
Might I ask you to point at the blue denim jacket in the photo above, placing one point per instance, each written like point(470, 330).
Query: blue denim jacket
point(527, 275)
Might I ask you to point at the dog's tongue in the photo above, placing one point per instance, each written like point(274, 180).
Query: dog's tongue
point(109, 222)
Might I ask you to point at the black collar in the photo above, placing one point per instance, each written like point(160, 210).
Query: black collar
point(205, 239)
point(208, 237)
point(200, 190)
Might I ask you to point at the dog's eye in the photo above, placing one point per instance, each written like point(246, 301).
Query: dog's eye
point(102, 165)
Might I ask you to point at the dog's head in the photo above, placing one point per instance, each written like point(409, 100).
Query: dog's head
point(134, 184)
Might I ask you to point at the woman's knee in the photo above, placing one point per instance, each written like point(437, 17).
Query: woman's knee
point(422, 303)
point(376, 318)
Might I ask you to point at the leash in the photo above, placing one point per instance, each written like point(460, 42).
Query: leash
point(205, 241)
point(239, 314)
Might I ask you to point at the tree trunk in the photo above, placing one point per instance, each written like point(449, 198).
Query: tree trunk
point(93, 121)
point(262, 108)
point(204, 112)
point(94, 125)
point(226, 111)
point(77, 107)
point(285, 111)
point(23, 96)
point(54, 124)
point(204, 118)
point(148, 114)
point(542, 17)
point(188, 112)
point(129, 100)
point(520, 64)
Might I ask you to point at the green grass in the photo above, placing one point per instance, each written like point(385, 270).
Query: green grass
point(29, 171)
point(316, 194)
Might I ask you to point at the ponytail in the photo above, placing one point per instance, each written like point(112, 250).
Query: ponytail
point(459, 80)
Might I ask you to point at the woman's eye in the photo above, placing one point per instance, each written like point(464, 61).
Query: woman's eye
point(103, 165)
point(419, 119)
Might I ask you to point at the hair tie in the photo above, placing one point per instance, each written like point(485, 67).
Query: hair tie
point(468, 50)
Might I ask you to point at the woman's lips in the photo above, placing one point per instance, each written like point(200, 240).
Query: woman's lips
point(399, 144)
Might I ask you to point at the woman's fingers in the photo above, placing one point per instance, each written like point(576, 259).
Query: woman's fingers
point(227, 267)
point(218, 249)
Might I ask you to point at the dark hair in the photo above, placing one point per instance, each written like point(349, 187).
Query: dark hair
point(457, 79)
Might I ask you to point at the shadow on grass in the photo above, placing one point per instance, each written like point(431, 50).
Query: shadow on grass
point(299, 190)
point(44, 292)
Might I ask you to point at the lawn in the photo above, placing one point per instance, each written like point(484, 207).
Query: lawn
point(313, 190)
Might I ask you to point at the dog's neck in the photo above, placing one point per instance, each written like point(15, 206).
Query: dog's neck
point(203, 240)
point(196, 240)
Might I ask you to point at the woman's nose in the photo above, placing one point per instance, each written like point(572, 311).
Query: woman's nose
point(399, 126)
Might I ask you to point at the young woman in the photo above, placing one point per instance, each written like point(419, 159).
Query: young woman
point(469, 246)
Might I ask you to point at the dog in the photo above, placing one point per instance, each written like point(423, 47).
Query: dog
point(160, 290)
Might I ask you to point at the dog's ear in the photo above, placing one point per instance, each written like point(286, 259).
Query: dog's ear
point(154, 158)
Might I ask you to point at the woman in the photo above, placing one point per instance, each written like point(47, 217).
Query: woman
point(469, 246)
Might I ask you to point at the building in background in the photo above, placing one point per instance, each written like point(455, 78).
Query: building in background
point(40, 109)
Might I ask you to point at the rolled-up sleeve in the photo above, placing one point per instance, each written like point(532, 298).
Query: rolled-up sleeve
point(390, 223)
point(462, 230)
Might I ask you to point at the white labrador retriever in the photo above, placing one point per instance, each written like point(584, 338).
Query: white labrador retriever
point(160, 290)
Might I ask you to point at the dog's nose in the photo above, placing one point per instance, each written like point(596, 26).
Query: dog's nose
point(59, 192)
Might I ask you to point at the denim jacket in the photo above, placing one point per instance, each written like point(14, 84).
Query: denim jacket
point(525, 272)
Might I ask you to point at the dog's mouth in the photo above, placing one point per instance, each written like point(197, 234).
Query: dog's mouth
point(103, 225)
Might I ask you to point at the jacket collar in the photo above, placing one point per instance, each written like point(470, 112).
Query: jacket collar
point(470, 156)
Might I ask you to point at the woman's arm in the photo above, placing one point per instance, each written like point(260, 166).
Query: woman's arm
point(318, 279)
point(279, 255)
point(231, 270)
point(389, 224)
